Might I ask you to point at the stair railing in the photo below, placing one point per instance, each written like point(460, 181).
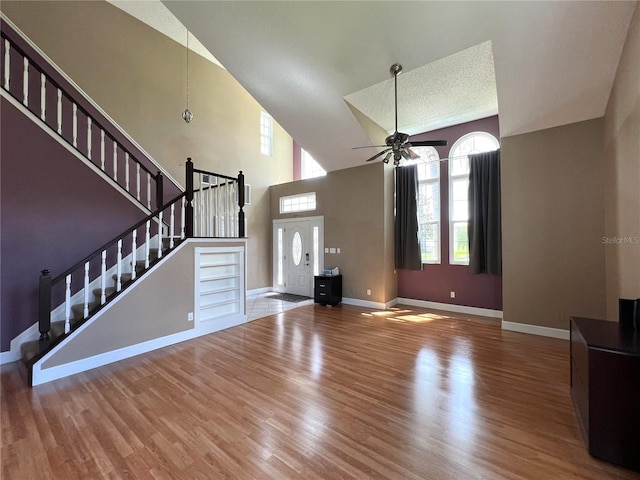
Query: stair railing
point(215, 204)
point(60, 110)
point(124, 257)
point(211, 207)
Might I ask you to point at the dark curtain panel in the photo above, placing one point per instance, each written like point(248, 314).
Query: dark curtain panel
point(408, 254)
point(485, 233)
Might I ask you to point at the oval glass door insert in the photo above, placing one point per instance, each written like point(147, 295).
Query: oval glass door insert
point(296, 248)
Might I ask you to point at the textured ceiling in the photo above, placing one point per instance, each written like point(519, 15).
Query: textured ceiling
point(456, 89)
point(554, 62)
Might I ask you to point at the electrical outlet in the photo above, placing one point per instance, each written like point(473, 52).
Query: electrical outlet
point(338, 250)
point(368, 291)
point(453, 294)
point(190, 316)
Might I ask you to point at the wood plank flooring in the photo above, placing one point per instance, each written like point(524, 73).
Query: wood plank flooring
point(312, 393)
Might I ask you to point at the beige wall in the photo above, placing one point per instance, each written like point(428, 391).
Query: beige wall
point(352, 202)
point(156, 307)
point(622, 173)
point(138, 76)
point(552, 225)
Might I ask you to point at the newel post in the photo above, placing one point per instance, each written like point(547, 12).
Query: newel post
point(241, 232)
point(44, 305)
point(189, 200)
point(159, 190)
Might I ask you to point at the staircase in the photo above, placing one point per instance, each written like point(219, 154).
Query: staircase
point(211, 206)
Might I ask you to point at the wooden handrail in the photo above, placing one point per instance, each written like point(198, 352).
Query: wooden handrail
point(110, 243)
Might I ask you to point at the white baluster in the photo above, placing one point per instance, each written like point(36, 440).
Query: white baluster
point(75, 125)
point(103, 278)
point(171, 225)
point(102, 150)
point(7, 63)
point(86, 290)
point(210, 212)
point(138, 181)
point(115, 160)
point(67, 304)
point(126, 171)
point(147, 241)
point(182, 219)
point(148, 190)
point(25, 82)
point(89, 123)
point(59, 112)
point(134, 236)
point(43, 96)
point(119, 267)
point(160, 234)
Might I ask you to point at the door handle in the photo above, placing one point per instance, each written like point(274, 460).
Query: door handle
point(307, 257)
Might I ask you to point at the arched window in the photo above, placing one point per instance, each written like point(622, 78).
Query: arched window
point(474, 142)
point(428, 162)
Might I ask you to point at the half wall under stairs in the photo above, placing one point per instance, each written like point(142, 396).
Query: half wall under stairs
point(152, 313)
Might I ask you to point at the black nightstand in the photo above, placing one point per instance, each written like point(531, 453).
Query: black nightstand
point(327, 289)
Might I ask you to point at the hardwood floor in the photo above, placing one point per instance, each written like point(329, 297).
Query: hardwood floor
point(311, 393)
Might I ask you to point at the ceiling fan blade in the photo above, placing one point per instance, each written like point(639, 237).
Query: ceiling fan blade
point(428, 143)
point(369, 146)
point(379, 154)
point(413, 154)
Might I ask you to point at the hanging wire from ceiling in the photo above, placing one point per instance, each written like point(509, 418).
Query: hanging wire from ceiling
point(187, 116)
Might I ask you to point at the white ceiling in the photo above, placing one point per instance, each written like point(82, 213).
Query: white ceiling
point(554, 63)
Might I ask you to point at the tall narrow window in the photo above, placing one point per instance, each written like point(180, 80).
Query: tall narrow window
point(280, 267)
point(428, 163)
point(309, 167)
point(266, 134)
point(474, 142)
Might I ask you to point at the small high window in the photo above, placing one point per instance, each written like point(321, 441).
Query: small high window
point(309, 167)
point(266, 134)
point(303, 202)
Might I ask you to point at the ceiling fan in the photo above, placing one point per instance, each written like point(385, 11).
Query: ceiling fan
point(398, 145)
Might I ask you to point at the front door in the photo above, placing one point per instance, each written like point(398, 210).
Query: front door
point(299, 275)
point(298, 254)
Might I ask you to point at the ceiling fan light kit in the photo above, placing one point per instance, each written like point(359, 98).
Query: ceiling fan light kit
point(397, 144)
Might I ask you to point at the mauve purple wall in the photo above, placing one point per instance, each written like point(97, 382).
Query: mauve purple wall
point(55, 211)
point(436, 282)
point(170, 189)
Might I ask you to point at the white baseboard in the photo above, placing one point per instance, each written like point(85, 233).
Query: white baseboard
point(485, 312)
point(536, 330)
point(364, 303)
point(9, 357)
point(31, 333)
point(259, 291)
point(41, 375)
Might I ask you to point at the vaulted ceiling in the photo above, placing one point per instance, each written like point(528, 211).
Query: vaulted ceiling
point(322, 68)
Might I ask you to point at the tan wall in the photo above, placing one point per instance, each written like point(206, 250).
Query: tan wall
point(138, 76)
point(156, 307)
point(352, 202)
point(622, 173)
point(552, 225)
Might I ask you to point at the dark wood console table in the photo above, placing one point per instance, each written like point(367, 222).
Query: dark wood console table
point(327, 289)
point(605, 388)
